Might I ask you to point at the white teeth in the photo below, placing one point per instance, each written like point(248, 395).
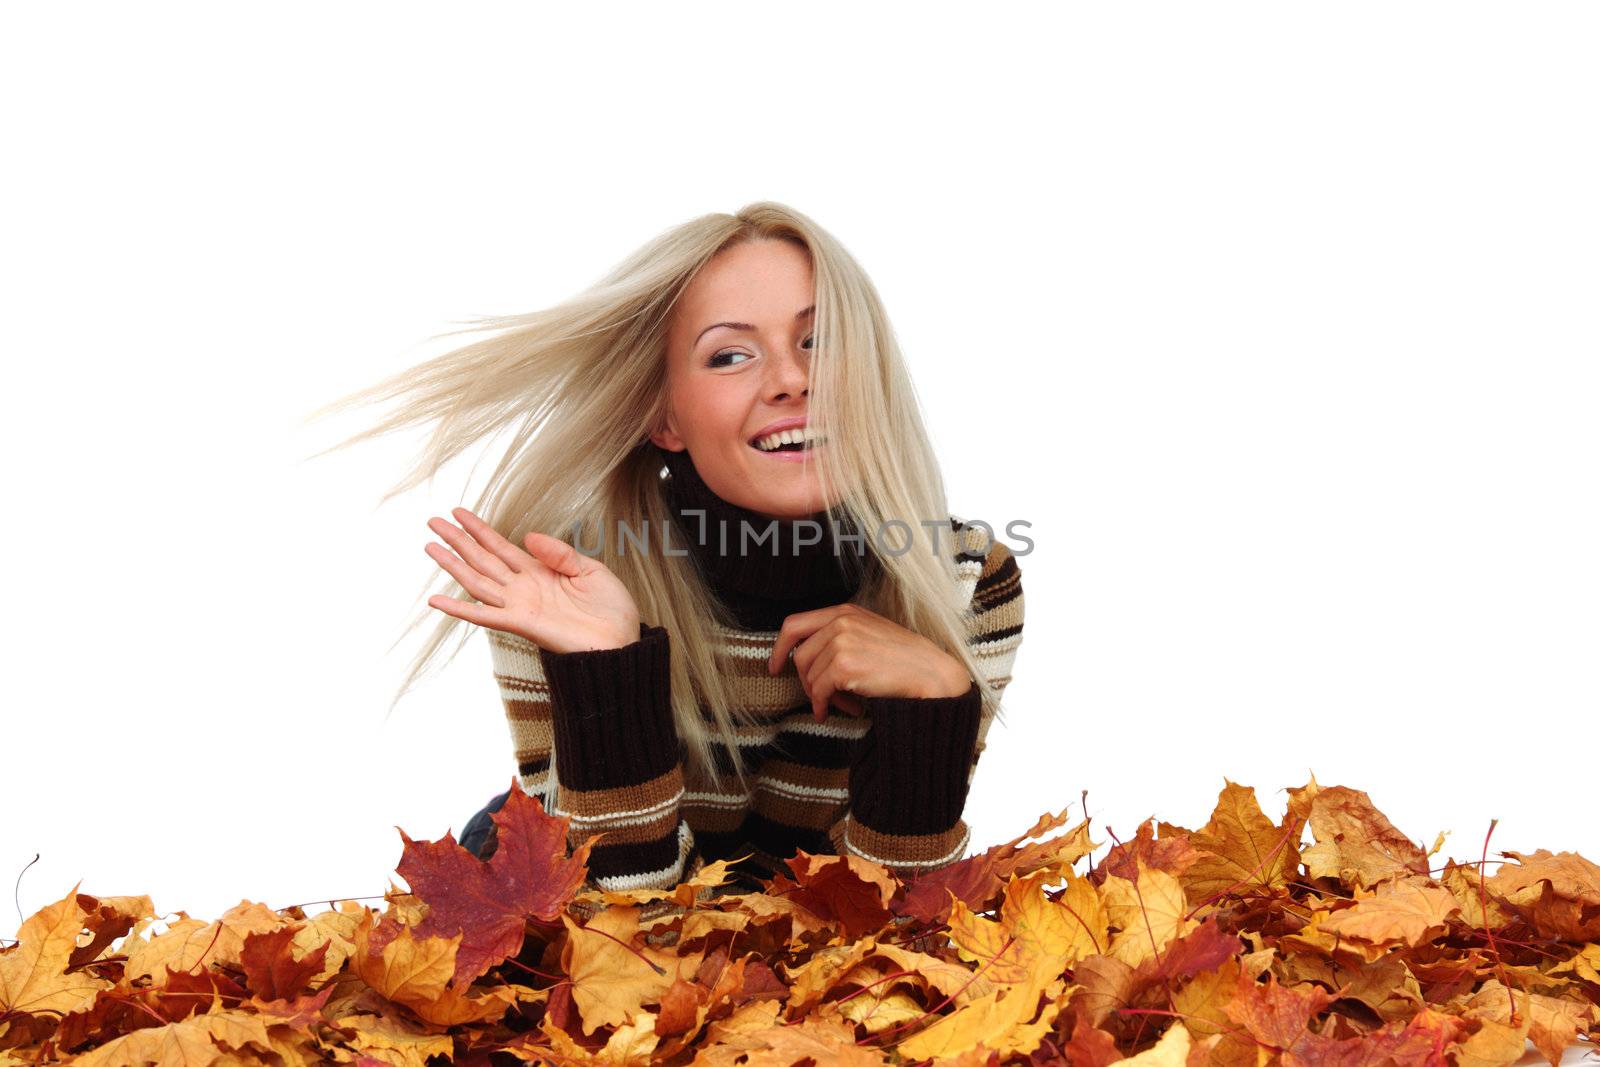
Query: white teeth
point(788, 437)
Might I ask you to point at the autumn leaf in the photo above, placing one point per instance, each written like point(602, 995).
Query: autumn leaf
point(1239, 846)
point(847, 890)
point(1355, 843)
point(1228, 946)
point(1150, 913)
point(611, 978)
point(977, 881)
point(33, 973)
point(1009, 1020)
point(487, 903)
point(1406, 911)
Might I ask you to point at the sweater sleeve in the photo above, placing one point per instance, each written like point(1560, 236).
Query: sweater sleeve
point(595, 741)
point(910, 777)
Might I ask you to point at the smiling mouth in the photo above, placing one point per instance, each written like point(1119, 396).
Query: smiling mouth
point(808, 445)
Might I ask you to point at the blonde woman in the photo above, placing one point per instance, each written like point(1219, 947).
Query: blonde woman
point(776, 636)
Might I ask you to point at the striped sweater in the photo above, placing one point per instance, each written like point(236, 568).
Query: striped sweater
point(889, 786)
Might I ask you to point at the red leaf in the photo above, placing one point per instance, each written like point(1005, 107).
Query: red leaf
point(270, 969)
point(489, 902)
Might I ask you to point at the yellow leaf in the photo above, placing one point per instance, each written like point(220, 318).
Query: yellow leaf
point(1171, 1051)
point(403, 1044)
point(1404, 912)
point(610, 983)
point(1241, 847)
point(190, 1043)
point(1149, 914)
point(878, 1012)
point(410, 970)
point(1497, 1044)
point(33, 974)
point(1036, 936)
point(1003, 1021)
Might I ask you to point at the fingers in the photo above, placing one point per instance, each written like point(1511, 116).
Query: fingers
point(490, 538)
point(473, 582)
point(482, 560)
point(554, 553)
point(823, 692)
point(799, 626)
point(461, 609)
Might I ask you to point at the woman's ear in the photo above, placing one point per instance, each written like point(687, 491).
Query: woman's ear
point(668, 439)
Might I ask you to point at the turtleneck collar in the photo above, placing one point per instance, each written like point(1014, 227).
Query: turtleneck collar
point(770, 579)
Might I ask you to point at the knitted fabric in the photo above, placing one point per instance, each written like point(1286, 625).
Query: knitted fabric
point(889, 785)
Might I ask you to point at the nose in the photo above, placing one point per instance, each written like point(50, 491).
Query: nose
point(788, 374)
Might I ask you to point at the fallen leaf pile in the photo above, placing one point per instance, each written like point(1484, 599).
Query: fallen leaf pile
point(1236, 945)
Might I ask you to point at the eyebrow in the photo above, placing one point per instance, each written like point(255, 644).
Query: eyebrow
point(746, 326)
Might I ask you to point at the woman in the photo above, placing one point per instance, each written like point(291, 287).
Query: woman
point(776, 636)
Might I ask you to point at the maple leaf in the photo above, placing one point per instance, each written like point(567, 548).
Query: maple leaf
point(1008, 1020)
point(942, 976)
point(1171, 852)
point(106, 919)
point(270, 967)
point(417, 971)
point(393, 1038)
point(1204, 948)
point(487, 902)
point(1367, 962)
point(1557, 893)
point(1495, 1044)
point(1172, 1050)
point(191, 943)
point(611, 981)
point(1355, 842)
point(1552, 1022)
point(1277, 1016)
point(1037, 937)
point(1149, 912)
point(977, 881)
point(1239, 846)
point(1568, 873)
point(33, 974)
point(1407, 911)
point(828, 1041)
point(848, 890)
point(811, 981)
point(195, 1042)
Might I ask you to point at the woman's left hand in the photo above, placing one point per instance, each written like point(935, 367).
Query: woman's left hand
point(845, 652)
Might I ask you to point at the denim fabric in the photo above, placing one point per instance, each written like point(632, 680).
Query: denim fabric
point(476, 835)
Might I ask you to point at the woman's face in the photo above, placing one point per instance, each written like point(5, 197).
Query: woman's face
point(738, 360)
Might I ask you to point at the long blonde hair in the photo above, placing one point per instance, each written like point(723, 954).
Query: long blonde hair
point(584, 383)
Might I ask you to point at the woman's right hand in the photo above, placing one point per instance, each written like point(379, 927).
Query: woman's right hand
point(552, 594)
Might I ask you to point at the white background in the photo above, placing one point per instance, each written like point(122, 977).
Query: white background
point(1278, 323)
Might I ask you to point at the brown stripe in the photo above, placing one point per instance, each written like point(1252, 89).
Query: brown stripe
point(715, 820)
point(534, 710)
point(815, 814)
point(801, 774)
point(906, 848)
point(629, 798)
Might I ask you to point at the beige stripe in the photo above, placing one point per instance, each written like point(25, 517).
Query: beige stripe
point(663, 825)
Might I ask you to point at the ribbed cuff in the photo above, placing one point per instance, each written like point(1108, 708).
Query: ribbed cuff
point(611, 710)
point(911, 774)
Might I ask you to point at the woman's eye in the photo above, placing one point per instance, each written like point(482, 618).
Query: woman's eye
point(714, 360)
point(807, 342)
